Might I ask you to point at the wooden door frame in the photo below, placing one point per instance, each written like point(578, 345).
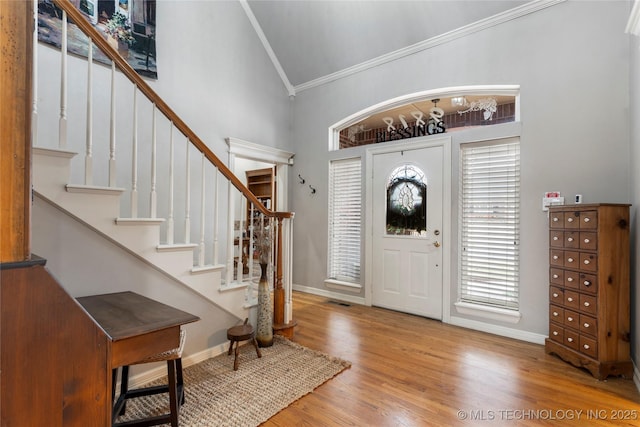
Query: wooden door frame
point(447, 243)
point(281, 159)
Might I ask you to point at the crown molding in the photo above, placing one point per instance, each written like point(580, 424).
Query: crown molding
point(251, 150)
point(483, 24)
point(267, 46)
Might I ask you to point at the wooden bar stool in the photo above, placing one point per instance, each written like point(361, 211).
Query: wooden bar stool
point(174, 386)
point(239, 333)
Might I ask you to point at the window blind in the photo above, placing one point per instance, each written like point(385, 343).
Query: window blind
point(345, 219)
point(489, 224)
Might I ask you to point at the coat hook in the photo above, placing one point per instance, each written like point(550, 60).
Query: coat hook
point(313, 190)
point(302, 181)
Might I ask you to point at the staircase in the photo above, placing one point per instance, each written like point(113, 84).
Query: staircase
point(152, 137)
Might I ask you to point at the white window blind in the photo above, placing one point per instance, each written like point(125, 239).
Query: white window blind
point(489, 224)
point(345, 220)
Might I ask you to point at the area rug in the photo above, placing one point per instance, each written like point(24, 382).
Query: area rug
point(217, 396)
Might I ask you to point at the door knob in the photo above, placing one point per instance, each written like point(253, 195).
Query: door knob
point(436, 244)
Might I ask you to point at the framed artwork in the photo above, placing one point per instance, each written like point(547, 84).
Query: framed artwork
point(128, 25)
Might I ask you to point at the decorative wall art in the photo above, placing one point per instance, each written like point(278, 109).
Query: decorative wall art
point(128, 25)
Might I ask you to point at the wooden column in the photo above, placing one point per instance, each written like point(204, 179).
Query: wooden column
point(16, 45)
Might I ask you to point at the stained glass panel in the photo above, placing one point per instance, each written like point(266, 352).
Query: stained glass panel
point(406, 202)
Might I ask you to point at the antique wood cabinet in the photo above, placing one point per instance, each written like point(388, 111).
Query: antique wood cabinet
point(589, 287)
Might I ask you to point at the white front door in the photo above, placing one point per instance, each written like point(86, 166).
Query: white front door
point(407, 191)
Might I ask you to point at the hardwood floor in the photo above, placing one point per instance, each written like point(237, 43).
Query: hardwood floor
point(412, 371)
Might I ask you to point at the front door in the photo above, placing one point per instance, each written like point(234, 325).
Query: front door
point(407, 230)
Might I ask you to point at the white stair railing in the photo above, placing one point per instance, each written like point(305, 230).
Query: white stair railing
point(140, 130)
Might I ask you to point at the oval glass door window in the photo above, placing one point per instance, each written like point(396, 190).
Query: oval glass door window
point(406, 202)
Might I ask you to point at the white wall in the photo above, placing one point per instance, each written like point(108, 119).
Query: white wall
point(214, 72)
point(572, 64)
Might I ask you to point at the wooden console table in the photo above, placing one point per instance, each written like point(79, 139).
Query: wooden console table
point(137, 326)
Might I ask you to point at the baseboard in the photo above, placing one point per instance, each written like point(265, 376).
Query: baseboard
point(498, 330)
point(329, 294)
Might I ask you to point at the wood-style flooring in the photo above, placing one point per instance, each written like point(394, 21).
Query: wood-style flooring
point(412, 371)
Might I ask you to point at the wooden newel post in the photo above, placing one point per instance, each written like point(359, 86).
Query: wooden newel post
point(279, 327)
point(16, 44)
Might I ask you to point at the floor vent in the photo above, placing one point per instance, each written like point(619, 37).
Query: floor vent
point(344, 304)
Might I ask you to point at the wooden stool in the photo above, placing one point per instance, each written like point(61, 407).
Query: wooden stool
point(175, 388)
point(239, 333)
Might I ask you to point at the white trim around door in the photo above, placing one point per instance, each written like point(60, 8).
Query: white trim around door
point(416, 143)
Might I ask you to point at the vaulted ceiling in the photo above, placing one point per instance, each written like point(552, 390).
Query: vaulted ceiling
point(312, 39)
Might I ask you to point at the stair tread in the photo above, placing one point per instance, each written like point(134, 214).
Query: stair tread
point(133, 221)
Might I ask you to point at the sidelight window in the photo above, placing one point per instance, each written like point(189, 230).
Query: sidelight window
point(490, 224)
point(345, 220)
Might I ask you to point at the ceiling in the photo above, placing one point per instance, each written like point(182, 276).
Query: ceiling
point(312, 39)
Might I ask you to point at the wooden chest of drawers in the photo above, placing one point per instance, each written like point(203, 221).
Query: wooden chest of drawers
point(589, 287)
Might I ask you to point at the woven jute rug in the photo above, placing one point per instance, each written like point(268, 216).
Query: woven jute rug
point(216, 395)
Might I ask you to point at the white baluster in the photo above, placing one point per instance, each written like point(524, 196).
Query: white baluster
point(62, 124)
point(230, 229)
point(112, 133)
point(187, 212)
point(240, 265)
point(153, 200)
point(171, 177)
point(202, 214)
point(134, 157)
point(88, 159)
point(216, 217)
point(250, 223)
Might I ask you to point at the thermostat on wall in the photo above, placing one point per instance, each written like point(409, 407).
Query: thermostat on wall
point(551, 198)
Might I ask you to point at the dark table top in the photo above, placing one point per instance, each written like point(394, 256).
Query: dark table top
point(127, 314)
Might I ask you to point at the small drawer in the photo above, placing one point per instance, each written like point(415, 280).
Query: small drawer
point(571, 339)
point(588, 325)
point(556, 295)
point(572, 300)
point(556, 276)
point(571, 259)
point(588, 346)
point(588, 240)
point(588, 262)
point(556, 333)
point(572, 239)
point(556, 238)
point(572, 279)
point(556, 220)
point(589, 220)
point(556, 314)
point(588, 304)
point(572, 220)
point(572, 319)
point(588, 283)
point(556, 257)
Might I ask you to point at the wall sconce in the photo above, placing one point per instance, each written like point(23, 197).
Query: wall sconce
point(302, 181)
point(313, 190)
